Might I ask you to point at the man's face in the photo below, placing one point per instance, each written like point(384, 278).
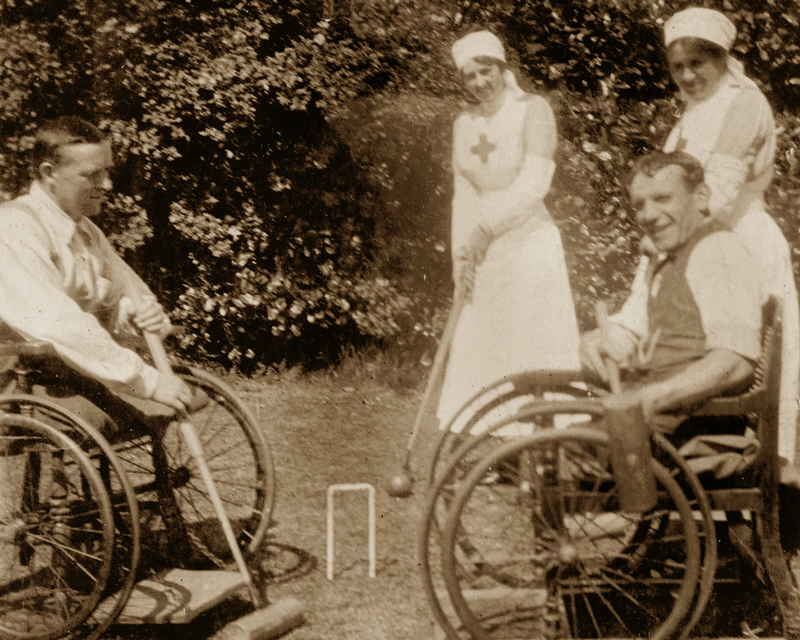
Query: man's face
point(78, 181)
point(666, 209)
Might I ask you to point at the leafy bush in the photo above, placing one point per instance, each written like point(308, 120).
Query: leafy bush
point(263, 226)
point(283, 177)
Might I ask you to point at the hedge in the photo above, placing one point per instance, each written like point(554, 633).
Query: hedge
point(283, 179)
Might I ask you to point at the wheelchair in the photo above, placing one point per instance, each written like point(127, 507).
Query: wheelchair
point(526, 536)
point(466, 439)
point(79, 512)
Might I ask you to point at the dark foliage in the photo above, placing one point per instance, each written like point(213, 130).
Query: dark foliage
point(283, 175)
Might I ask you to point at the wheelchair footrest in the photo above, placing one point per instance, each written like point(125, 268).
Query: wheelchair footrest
point(177, 596)
point(494, 601)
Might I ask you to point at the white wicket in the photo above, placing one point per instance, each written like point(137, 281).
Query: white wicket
point(361, 486)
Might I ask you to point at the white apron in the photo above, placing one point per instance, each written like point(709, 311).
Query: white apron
point(521, 316)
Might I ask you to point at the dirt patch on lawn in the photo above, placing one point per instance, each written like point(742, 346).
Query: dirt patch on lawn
point(324, 431)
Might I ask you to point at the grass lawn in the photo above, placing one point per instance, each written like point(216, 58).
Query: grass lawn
point(325, 430)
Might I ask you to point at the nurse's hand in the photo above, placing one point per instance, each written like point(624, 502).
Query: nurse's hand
point(478, 244)
point(465, 284)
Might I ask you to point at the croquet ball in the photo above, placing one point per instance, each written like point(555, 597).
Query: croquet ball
point(400, 485)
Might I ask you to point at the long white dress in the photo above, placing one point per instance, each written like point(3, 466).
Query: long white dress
point(733, 135)
point(521, 315)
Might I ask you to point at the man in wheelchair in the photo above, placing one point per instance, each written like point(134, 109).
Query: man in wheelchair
point(62, 284)
point(691, 328)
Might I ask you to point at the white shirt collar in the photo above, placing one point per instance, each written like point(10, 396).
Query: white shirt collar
point(57, 219)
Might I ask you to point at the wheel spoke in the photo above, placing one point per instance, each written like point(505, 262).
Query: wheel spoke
point(562, 523)
point(609, 607)
point(203, 492)
point(62, 547)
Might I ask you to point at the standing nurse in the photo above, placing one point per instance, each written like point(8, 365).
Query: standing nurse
point(507, 251)
point(728, 126)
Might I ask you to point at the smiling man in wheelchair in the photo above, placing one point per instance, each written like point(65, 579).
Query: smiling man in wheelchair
point(62, 285)
point(691, 328)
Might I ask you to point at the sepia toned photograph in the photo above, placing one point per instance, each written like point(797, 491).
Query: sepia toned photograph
point(399, 319)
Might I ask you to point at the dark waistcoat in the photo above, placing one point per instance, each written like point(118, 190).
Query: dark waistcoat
point(673, 313)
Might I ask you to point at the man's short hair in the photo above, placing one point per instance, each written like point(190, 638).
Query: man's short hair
point(652, 163)
point(61, 132)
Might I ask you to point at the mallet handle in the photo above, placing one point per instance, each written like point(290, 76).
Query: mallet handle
point(437, 370)
point(601, 313)
point(196, 449)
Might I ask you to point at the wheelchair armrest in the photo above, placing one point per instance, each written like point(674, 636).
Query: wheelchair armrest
point(732, 406)
point(32, 348)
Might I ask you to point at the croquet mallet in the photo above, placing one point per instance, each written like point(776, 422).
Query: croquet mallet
point(629, 437)
point(269, 620)
point(601, 315)
point(400, 484)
